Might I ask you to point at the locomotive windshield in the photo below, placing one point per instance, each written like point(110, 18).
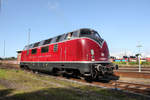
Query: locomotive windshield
point(91, 34)
point(97, 37)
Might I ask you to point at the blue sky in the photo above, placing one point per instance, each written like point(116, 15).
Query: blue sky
point(122, 23)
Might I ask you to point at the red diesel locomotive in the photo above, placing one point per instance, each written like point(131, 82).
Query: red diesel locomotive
point(81, 52)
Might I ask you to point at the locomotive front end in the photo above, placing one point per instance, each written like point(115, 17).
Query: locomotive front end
point(103, 67)
point(97, 51)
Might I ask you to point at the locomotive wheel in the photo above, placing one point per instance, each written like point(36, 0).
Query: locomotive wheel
point(94, 73)
point(24, 67)
point(110, 71)
point(55, 71)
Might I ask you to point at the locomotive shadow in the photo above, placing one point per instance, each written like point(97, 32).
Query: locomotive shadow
point(43, 94)
point(56, 74)
point(51, 94)
point(64, 94)
point(103, 80)
point(108, 79)
point(5, 92)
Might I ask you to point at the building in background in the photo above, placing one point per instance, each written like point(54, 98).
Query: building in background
point(18, 57)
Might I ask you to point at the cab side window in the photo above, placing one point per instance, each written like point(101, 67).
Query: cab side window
point(54, 40)
point(34, 51)
point(69, 35)
point(36, 44)
point(62, 37)
point(48, 41)
point(75, 34)
point(58, 38)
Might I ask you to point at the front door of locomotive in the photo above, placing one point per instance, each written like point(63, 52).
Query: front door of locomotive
point(61, 47)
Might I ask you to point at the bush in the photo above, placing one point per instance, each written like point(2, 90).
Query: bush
point(10, 58)
point(132, 63)
point(145, 63)
point(120, 63)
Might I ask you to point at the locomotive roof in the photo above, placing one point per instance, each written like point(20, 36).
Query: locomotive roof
point(55, 39)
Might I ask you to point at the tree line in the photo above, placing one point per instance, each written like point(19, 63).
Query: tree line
point(8, 58)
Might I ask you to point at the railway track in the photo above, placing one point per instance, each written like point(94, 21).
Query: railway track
point(119, 85)
point(113, 84)
point(144, 70)
point(138, 88)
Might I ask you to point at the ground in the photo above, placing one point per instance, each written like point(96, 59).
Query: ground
point(16, 84)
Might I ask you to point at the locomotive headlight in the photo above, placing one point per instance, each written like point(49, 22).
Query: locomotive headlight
point(92, 55)
point(83, 41)
point(92, 52)
point(102, 54)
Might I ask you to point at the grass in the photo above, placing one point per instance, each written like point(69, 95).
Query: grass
point(146, 63)
point(21, 85)
point(2, 73)
point(132, 64)
point(2, 87)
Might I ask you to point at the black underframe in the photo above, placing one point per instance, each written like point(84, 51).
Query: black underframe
point(82, 67)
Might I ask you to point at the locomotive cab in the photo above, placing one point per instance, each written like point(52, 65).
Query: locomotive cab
point(91, 34)
point(98, 47)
